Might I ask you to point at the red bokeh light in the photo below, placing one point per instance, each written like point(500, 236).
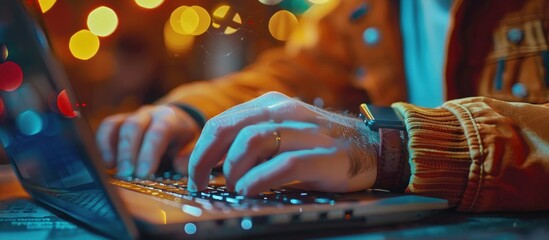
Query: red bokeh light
point(1, 107)
point(64, 105)
point(11, 76)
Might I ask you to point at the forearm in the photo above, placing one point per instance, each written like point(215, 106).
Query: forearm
point(480, 154)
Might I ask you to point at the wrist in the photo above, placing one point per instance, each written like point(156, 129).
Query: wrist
point(393, 169)
point(197, 116)
point(186, 120)
point(392, 166)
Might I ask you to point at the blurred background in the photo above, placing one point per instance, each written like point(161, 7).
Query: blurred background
point(122, 54)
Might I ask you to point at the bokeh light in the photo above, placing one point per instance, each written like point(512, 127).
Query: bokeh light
point(29, 123)
point(318, 1)
point(282, 24)
point(190, 228)
point(46, 5)
point(221, 19)
point(246, 224)
point(3, 52)
point(65, 106)
point(149, 4)
point(102, 21)
point(11, 76)
point(5, 138)
point(270, 2)
point(204, 20)
point(175, 19)
point(177, 42)
point(297, 7)
point(192, 20)
point(189, 20)
point(84, 44)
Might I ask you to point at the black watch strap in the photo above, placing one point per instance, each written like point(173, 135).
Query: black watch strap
point(193, 112)
point(393, 170)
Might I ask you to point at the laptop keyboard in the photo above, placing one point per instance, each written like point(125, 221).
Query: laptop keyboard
point(91, 200)
point(174, 187)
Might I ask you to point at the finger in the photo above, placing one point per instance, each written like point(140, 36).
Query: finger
point(107, 138)
point(256, 143)
point(214, 141)
point(130, 138)
point(220, 131)
point(301, 165)
point(159, 135)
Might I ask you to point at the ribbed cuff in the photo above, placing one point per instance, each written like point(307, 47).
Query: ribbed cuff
point(438, 152)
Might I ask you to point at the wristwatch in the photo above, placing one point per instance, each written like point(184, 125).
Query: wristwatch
point(393, 169)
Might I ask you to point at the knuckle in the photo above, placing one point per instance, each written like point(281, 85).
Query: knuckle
point(249, 135)
point(216, 126)
point(156, 131)
point(291, 164)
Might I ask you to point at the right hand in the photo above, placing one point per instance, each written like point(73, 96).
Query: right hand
point(135, 142)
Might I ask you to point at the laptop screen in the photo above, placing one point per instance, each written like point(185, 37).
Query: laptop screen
point(40, 130)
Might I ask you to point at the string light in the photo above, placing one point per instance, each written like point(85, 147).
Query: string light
point(102, 21)
point(84, 44)
point(282, 24)
point(46, 5)
point(221, 19)
point(149, 4)
point(176, 42)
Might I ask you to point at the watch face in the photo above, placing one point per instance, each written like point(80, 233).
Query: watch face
point(377, 117)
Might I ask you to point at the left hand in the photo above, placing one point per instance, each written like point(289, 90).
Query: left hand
point(317, 150)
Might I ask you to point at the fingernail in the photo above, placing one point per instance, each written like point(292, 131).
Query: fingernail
point(240, 188)
point(191, 186)
point(143, 169)
point(125, 169)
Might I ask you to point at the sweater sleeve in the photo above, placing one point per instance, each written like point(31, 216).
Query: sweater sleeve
point(305, 68)
point(481, 154)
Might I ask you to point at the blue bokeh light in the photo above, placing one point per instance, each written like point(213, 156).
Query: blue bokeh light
point(190, 228)
point(4, 138)
point(246, 224)
point(29, 123)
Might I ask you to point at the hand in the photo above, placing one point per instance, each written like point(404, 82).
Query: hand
point(135, 142)
point(318, 150)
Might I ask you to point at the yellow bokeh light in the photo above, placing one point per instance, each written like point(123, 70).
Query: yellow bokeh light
point(84, 44)
point(220, 14)
point(177, 42)
point(45, 5)
point(149, 4)
point(189, 20)
point(318, 1)
point(175, 19)
point(204, 22)
point(193, 20)
point(102, 21)
point(282, 24)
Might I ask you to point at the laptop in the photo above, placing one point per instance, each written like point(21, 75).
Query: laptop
point(53, 152)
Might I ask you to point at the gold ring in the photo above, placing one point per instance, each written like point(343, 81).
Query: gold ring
point(277, 140)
